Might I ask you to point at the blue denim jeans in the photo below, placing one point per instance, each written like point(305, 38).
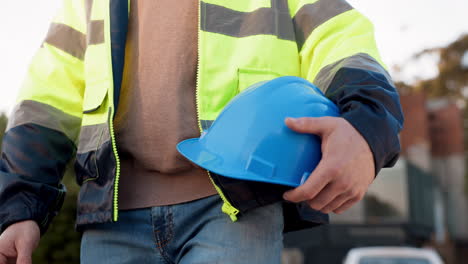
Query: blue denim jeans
point(193, 232)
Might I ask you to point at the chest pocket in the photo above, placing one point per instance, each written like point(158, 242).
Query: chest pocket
point(94, 97)
point(248, 77)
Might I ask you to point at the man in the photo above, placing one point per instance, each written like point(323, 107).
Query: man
point(119, 112)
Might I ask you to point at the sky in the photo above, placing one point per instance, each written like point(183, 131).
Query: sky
point(403, 28)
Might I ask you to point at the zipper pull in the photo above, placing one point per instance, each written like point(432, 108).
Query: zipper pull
point(231, 211)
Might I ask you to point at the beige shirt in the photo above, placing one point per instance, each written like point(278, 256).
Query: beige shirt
point(157, 106)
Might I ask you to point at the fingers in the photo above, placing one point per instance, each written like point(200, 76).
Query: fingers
point(7, 248)
point(326, 192)
point(325, 197)
point(336, 203)
point(18, 242)
point(307, 191)
point(345, 171)
point(312, 125)
point(346, 205)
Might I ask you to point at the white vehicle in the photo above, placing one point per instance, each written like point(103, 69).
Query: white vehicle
point(392, 255)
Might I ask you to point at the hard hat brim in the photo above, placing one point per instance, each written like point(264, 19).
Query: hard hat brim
point(196, 153)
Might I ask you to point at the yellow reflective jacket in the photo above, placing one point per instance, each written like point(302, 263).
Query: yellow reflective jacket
point(66, 107)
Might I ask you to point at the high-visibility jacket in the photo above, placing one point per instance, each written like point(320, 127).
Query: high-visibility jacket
point(65, 110)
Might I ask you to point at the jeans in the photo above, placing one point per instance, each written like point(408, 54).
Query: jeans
point(192, 232)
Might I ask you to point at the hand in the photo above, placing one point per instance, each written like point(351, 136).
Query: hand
point(346, 170)
point(18, 242)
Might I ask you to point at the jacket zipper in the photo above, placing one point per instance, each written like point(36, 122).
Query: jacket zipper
point(117, 165)
point(227, 207)
point(115, 199)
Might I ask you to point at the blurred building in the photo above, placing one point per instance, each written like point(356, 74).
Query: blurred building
point(415, 137)
point(420, 201)
point(448, 163)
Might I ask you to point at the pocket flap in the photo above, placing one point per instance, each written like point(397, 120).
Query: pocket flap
point(94, 97)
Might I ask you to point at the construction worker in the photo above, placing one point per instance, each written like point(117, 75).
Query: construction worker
point(117, 84)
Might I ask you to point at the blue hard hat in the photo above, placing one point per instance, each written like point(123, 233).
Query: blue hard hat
point(250, 141)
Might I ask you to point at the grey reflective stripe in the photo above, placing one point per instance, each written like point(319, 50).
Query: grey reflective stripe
point(280, 5)
point(263, 21)
point(89, 9)
point(92, 137)
point(67, 39)
point(311, 16)
point(205, 124)
point(358, 61)
point(32, 112)
point(95, 32)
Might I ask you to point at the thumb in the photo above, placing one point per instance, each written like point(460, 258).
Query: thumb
point(311, 125)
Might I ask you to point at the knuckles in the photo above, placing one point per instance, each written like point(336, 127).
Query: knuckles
point(315, 205)
point(308, 195)
point(333, 172)
point(342, 186)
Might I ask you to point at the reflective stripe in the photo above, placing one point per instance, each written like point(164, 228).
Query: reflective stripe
point(89, 9)
point(36, 154)
point(263, 21)
point(92, 137)
point(96, 32)
point(72, 41)
point(280, 5)
point(32, 112)
point(311, 16)
point(67, 39)
point(359, 61)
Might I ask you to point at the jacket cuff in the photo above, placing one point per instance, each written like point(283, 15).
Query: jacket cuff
point(19, 212)
point(25, 205)
point(379, 139)
point(371, 105)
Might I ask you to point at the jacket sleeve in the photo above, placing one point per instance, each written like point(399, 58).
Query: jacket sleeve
point(338, 54)
point(43, 129)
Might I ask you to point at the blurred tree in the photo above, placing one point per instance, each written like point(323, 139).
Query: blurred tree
point(452, 80)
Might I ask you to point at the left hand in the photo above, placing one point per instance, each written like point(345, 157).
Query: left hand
point(346, 170)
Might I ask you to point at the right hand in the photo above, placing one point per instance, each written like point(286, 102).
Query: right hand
point(18, 242)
